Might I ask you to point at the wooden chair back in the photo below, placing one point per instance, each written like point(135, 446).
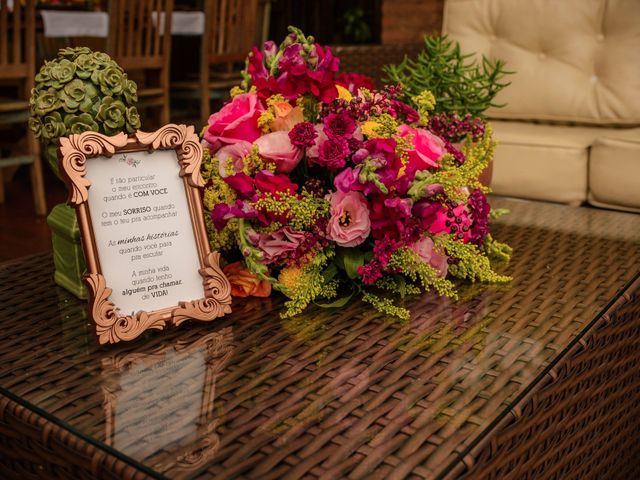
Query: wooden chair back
point(229, 33)
point(140, 40)
point(17, 70)
point(17, 42)
point(230, 30)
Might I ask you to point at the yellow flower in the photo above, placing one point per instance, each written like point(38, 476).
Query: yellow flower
point(343, 93)
point(369, 128)
point(290, 278)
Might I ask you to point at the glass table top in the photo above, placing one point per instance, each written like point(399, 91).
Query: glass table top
point(330, 393)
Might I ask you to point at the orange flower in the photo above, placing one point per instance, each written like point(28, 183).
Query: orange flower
point(286, 117)
point(245, 283)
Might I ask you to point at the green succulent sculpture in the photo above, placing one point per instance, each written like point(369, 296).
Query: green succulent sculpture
point(81, 90)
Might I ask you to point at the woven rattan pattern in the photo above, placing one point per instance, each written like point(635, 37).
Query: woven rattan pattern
point(349, 393)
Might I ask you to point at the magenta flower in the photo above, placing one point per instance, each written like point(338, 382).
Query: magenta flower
point(354, 81)
point(427, 148)
point(480, 209)
point(237, 121)
point(339, 125)
point(241, 183)
point(332, 153)
point(349, 224)
point(269, 182)
point(453, 219)
point(303, 135)
point(347, 180)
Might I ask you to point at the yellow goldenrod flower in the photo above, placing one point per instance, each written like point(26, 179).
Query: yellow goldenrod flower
point(343, 93)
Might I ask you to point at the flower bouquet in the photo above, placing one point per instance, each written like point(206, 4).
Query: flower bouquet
point(327, 189)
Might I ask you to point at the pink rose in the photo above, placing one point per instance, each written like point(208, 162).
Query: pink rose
point(349, 224)
point(277, 147)
point(235, 122)
point(429, 255)
point(275, 246)
point(427, 148)
point(232, 156)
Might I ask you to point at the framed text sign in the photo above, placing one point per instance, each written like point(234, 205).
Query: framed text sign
point(142, 229)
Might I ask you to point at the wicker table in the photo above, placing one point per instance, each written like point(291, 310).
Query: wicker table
point(539, 379)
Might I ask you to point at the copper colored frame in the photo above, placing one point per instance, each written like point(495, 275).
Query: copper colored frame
point(111, 325)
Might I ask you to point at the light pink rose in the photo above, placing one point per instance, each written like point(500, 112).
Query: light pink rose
point(232, 154)
point(235, 122)
point(349, 224)
point(427, 148)
point(429, 255)
point(277, 147)
point(276, 245)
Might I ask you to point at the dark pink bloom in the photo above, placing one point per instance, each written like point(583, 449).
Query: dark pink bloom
point(269, 182)
point(404, 111)
point(241, 183)
point(339, 125)
point(222, 212)
point(354, 81)
point(425, 212)
point(332, 153)
point(480, 209)
point(303, 135)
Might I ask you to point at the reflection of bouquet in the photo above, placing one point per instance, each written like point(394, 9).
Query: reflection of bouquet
point(329, 191)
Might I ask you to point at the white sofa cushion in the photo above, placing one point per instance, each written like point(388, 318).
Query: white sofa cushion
point(551, 162)
point(575, 60)
point(614, 172)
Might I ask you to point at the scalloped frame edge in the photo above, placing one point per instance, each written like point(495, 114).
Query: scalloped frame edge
point(112, 326)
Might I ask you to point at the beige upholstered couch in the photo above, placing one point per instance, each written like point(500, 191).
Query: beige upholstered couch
point(570, 131)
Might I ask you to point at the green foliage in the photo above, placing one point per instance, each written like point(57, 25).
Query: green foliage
point(478, 155)
point(356, 28)
point(428, 277)
point(459, 84)
point(82, 91)
point(471, 265)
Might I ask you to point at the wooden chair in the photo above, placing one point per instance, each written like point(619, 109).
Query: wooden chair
point(140, 41)
point(230, 31)
point(17, 71)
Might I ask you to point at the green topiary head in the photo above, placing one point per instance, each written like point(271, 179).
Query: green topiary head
point(81, 90)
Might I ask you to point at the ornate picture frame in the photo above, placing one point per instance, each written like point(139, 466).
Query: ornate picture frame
point(113, 325)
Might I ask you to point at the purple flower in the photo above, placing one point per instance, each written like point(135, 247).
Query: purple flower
point(480, 210)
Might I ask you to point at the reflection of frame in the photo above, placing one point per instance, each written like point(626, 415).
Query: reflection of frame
point(211, 296)
point(178, 434)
